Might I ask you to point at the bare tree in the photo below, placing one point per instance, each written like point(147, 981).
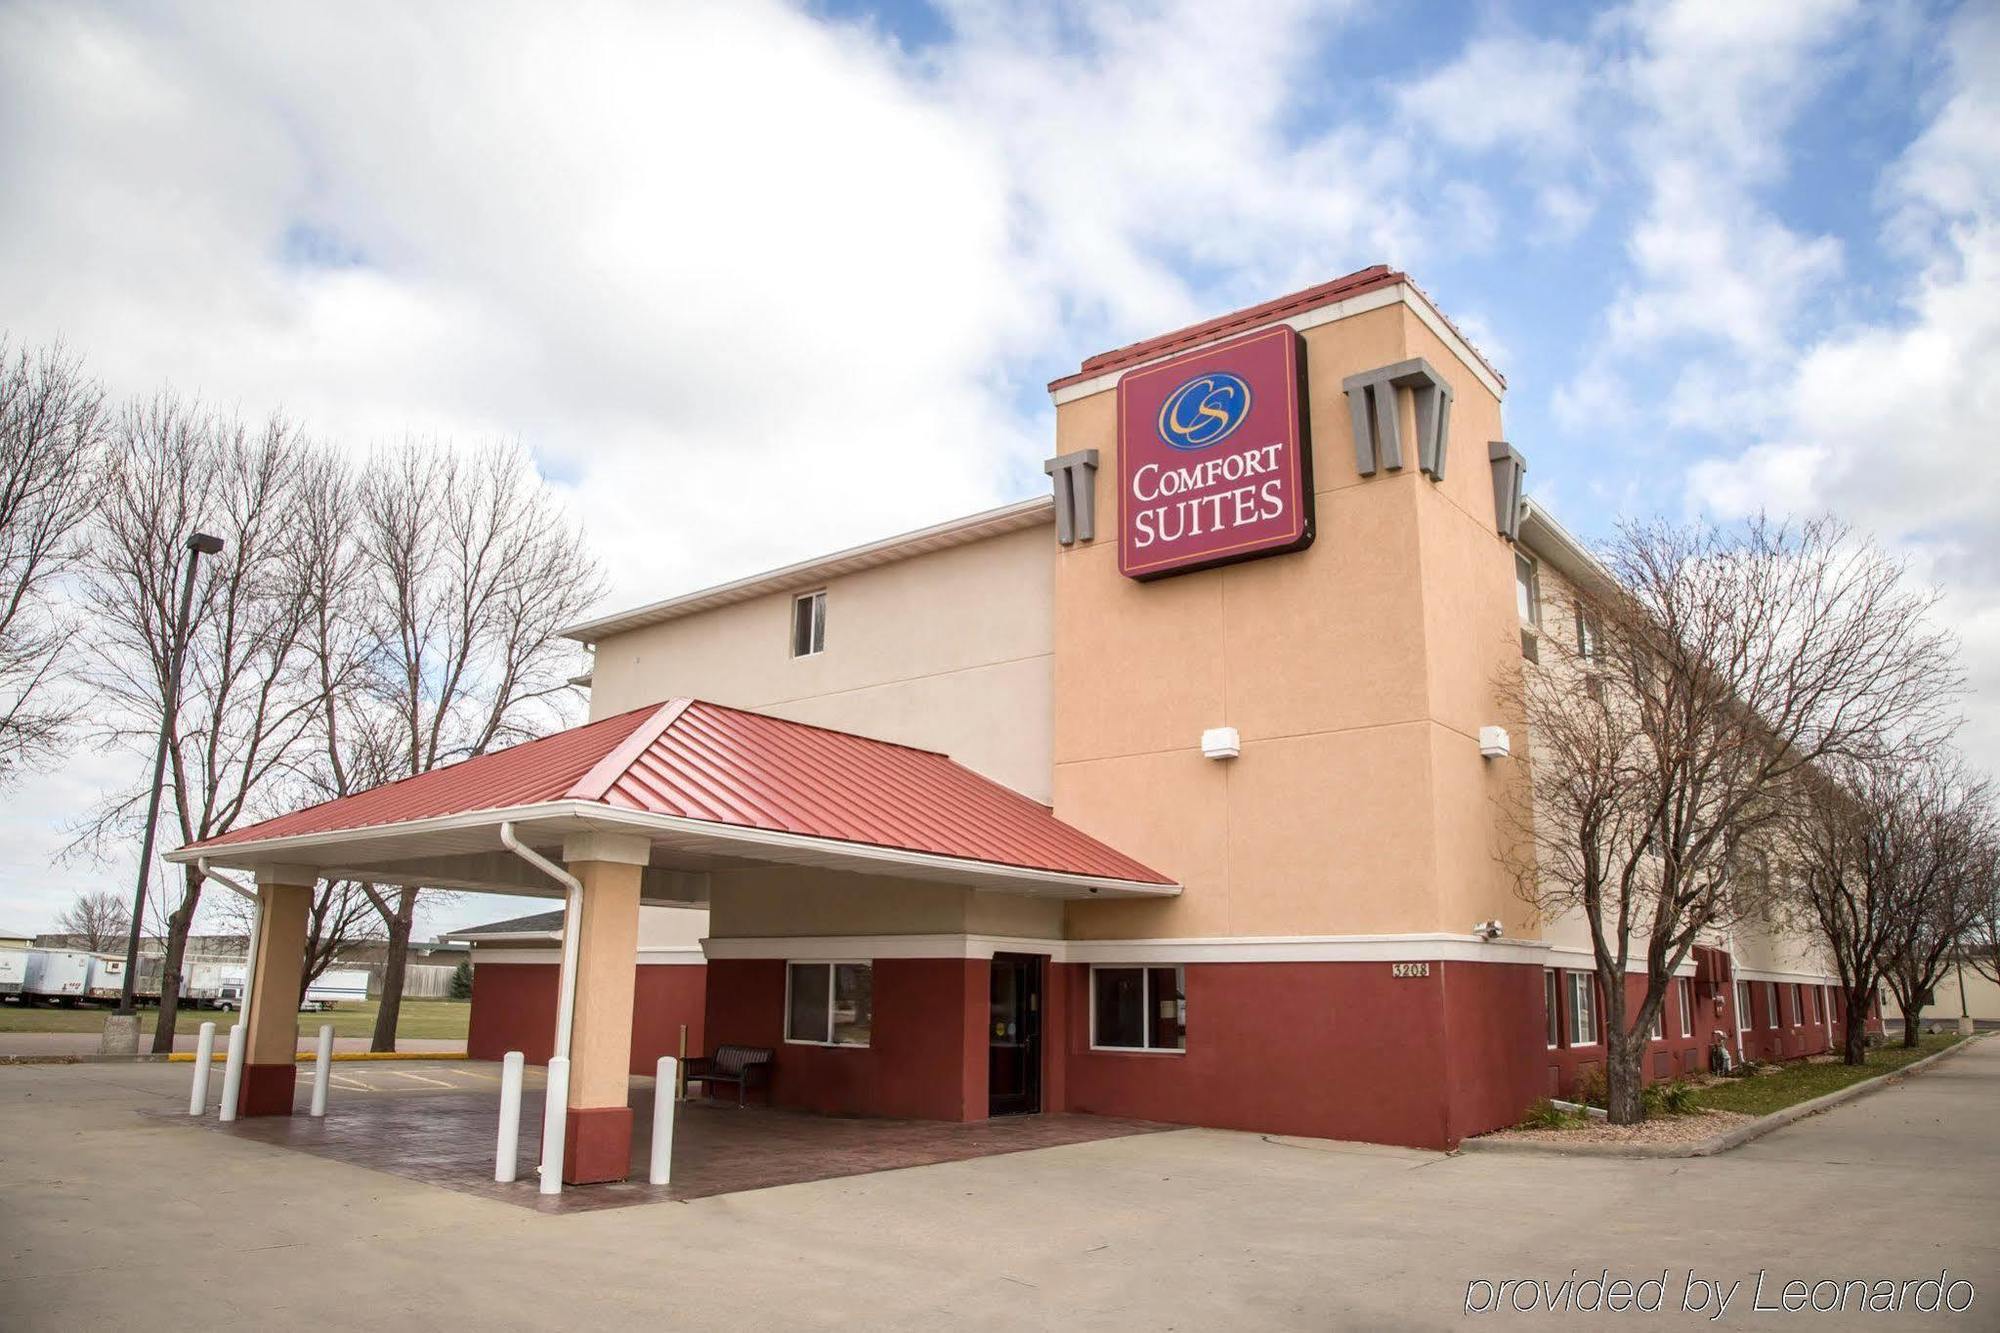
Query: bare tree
point(1981, 945)
point(247, 700)
point(1709, 669)
point(97, 920)
point(1954, 851)
point(52, 424)
point(1855, 827)
point(470, 571)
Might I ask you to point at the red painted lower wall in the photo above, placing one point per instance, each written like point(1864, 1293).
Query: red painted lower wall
point(1327, 1050)
point(926, 1056)
point(514, 1009)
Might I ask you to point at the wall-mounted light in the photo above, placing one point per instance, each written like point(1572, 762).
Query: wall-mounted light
point(1494, 743)
point(1221, 743)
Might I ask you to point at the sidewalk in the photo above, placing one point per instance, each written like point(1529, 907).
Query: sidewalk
point(85, 1043)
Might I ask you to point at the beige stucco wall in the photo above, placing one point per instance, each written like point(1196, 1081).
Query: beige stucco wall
point(948, 650)
point(785, 901)
point(1358, 673)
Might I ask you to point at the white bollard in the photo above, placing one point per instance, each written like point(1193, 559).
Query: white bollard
point(660, 1171)
point(507, 1152)
point(232, 1071)
point(554, 1113)
point(322, 1069)
point(204, 1053)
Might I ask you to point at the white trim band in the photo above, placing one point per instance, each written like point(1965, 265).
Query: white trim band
point(676, 955)
point(1222, 949)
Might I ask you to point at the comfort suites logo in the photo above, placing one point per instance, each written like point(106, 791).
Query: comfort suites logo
point(1204, 410)
point(1213, 459)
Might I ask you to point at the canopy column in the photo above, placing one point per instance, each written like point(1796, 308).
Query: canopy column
point(598, 1144)
point(271, 1009)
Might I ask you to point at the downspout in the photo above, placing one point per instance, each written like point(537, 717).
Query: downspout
point(256, 927)
point(228, 1108)
point(572, 911)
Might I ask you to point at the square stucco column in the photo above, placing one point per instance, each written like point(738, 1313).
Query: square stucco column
point(598, 1145)
point(269, 1073)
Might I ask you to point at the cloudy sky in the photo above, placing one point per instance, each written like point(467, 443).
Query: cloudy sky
point(729, 270)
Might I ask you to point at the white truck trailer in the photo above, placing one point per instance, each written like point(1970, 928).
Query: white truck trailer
point(107, 977)
point(13, 970)
point(328, 990)
point(58, 975)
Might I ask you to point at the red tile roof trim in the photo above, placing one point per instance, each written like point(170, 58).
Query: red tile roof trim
point(1354, 284)
point(702, 762)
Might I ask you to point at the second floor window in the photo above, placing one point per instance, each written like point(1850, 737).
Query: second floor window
point(809, 624)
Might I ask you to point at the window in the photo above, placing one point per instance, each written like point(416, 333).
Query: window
point(1552, 1006)
point(1589, 635)
point(1819, 1004)
point(829, 1004)
point(1528, 602)
point(1527, 590)
point(1742, 1006)
point(1685, 985)
point(1138, 1009)
point(1582, 1009)
point(1659, 1032)
point(809, 623)
point(1771, 1004)
point(1798, 1005)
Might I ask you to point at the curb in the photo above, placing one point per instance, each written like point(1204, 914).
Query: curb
point(1728, 1139)
point(307, 1057)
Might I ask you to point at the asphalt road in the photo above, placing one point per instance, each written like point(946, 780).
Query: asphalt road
point(99, 1204)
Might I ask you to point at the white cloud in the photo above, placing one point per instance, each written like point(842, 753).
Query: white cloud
point(1508, 92)
point(1887, 423)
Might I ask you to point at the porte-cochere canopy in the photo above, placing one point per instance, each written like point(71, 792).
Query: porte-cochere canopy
point(711, 788)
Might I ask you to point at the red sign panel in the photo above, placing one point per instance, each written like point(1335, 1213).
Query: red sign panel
point(1213, 459)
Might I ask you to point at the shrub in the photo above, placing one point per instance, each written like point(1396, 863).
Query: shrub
point(1675, 1097)
point(1591, 1088)
point(461, 981)
point(1545, 1114)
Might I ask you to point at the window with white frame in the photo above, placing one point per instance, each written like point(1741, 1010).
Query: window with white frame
point(1138, 1009)
point(1589, 635)
point(829, 1004)
point(1798, 1005)
point(1742, 1006)
point(1771, 1004)
point(809, 623)
point(1528, 602)
point(1582, 1009)
point(1685, 985)
point(1659, 1028)
point(1552, 1006)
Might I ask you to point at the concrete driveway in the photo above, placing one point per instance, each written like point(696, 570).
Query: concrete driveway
point(105, 1212)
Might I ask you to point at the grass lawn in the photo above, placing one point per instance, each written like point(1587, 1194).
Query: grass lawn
point(420, 1019)
point(1761, 1094)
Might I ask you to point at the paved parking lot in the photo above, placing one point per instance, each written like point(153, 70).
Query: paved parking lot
point(105, 1210)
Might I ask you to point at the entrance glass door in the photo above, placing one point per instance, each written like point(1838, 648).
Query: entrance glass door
point(1014, 1036)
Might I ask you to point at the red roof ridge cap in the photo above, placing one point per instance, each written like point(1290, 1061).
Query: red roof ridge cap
point(831, 731)
point(604, 774)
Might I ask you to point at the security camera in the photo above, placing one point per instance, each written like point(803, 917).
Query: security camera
point(1489, 930)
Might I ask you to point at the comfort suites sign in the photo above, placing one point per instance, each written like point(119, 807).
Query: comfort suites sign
point(1213, 463)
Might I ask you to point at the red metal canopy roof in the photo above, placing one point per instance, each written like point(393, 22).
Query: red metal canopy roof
point(701, 761)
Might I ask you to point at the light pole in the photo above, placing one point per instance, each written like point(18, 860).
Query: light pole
point(198, 545)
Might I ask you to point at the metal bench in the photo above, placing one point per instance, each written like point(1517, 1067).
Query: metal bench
point(733, 1064)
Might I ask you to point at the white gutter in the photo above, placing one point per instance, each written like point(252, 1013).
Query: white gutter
point(572, 913)
point(233, 1072)
point(555, 1104)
